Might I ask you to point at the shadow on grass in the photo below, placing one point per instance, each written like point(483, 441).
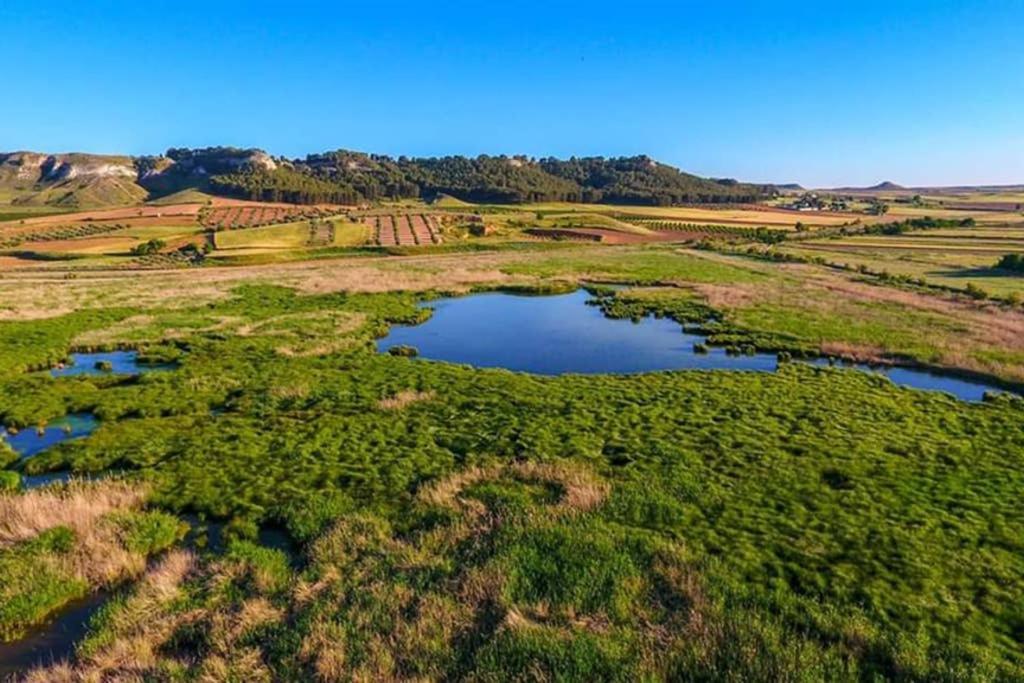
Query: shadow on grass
point(969, 273)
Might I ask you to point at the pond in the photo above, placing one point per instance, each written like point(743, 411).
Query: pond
point(913, 378)
point(560, 334)
point(108, 362)
point(554, 335)
point(30, 441)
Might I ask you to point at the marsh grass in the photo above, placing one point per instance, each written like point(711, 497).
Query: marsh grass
point(803, 525)
point(62, 541)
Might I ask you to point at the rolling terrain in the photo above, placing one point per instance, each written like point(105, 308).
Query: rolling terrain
point(82, 181)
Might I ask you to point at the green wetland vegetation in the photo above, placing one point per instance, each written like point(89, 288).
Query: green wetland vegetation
point(447, 523)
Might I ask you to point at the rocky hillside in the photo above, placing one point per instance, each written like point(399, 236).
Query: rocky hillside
point(69, 180)
point(90, 180)
point(84, 181)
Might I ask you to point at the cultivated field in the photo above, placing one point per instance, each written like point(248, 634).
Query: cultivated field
point(950, 257)
point(253, 215)
point(404, 230)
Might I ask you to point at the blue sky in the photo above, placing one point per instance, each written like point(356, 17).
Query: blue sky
point(819, 93)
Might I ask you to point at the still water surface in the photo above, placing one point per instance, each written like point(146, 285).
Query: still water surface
point(121, 363)
point(554, 335)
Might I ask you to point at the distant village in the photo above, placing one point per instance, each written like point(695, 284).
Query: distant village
point(810, 201)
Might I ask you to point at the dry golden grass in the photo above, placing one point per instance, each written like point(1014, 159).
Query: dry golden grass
point(142, 625)
point(724, 297)
point(862, 353)
point(404, 398)
point(33, 294)
point(975, 330)
point(78, 505)
point(104, 244)
point(581, 490)
point(290, 391)
point(130, 328)
point(229, 659)
point(317, 333)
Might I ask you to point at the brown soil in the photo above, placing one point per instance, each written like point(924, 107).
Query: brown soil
point(96, 244)
point(116, 214)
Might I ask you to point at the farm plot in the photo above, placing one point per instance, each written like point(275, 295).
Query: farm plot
point(348, 234)
point(181, 212)
point(421, 230)
point(980, 216)
point(235, 217)
point(727, 231)
point(58, 232)
point(405, 230)
point(952, 258)
point(85, 246)
point(386, 231)
point(288, 236)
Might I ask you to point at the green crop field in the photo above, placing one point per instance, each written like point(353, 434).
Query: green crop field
point(271, 237)
point(350, 234)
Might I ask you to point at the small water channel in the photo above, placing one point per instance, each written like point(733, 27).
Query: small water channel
point(51, 641)
point(561, 334)
point(107, 362)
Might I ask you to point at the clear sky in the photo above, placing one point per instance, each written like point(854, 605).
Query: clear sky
point(821, 93)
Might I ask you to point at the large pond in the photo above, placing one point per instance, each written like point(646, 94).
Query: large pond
point(554, 335)
point(107, 362)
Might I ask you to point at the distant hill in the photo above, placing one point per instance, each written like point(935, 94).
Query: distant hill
point(86, 181)
point(342, 176)
point(69, 180)
point(884, 186)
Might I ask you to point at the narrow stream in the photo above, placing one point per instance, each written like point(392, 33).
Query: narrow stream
point(53, 640)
